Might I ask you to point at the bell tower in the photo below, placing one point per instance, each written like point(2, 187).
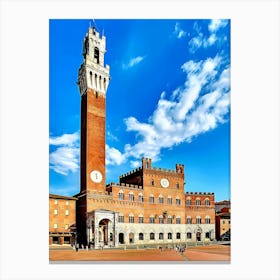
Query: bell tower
point(93, 82)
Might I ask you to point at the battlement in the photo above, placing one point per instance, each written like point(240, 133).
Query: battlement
point(199, 193)
point(147, 165)
point(131, 172)
point(95, 33)
point(130, 186)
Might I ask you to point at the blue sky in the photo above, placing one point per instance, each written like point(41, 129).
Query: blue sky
point(168, 99)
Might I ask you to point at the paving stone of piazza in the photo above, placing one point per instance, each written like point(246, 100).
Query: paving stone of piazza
point(199, 253)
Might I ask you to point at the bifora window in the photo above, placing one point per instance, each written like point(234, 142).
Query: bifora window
point(198, 220)
point(160, 220)
point(160, 199)
point(178, 201)
point(189, 235)
point(152, 236)
point(140, 197)
point(121, 218)
point(152, 220)
point(178, 220)
point(131, 196)
point(169, 235)
point(207, 220)
point(121, 195)
point(189, 220)
point(207, 202)
point(197, 202)
point(141, 219)
point(131, 219)
point(169, 200)
point(169, 220)
point(188, 201)
point(151, 199)
point(178, 235)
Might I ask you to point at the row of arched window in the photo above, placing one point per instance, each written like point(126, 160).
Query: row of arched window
point(152, 200)
point(152, 219)
point(197, 201)
point(207, 220)
point(97, 82)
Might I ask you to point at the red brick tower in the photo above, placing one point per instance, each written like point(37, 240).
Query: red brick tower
point(93, 81)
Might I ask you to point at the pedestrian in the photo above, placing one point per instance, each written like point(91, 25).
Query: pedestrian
point(77, 248)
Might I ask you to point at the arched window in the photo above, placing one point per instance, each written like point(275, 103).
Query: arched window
point(169, 220)
point(160, 236)
point(151, 199)
point(178, 235)
point(121, 218)
point(160, 219)
point(178, 220)
point(105, 84)
point(177, 185)
point(140, 219)
point(141, 236)
point(178, 201)
point(207, 202)
point(131, 196)
point(131, 218)
point(169, 235)
point(140, 197)
point(169, 200)
point(152, 219)
point(188, 201)
point(198, 220)
point(96, 54)
point(121, 195)
point(152, 183)
point(207, 220)
point(197, 201)
point(152, 236)
point(189, 220)
point(160, 199)
point(189, 235)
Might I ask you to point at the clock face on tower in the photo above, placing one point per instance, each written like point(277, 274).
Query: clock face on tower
point(164, 183)
point(96, 176)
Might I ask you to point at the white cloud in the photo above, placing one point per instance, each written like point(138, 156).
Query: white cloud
point(132, 62)
point(216, 24)
point(201, 40)
point(135, 163)
point(195, 108)
point(114, 156)
point(178, 31)
point(65, 157)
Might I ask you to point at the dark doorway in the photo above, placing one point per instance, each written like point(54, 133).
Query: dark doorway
point(121, 238)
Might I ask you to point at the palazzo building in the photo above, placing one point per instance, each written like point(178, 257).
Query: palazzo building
point(148, 206)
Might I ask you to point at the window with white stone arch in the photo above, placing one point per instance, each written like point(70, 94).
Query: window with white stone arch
point(189, 220)
point(169, 219)
point(207, 202)
point(152, 199)
point(169, 199)
point(178, 201)
point(188, 201)
point(140, 197)
point(131, 218)
point(197, 201)
point(152, 219)
point(140, 219)
point(198, 220)
point(121, 195)
point(207, 220)
point(160, 219)
point(160, 199)
point(131, 196)
point(178, 220)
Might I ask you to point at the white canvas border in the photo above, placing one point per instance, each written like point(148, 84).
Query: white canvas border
point(254, 142)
